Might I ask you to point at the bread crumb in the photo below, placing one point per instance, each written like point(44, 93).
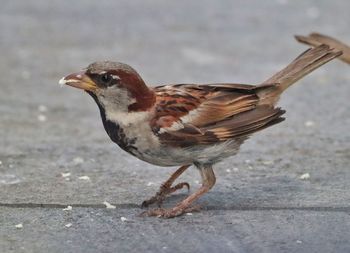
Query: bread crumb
point(305, 176)
point(20, 225)
point(84, 178)
point(67, 174)
point(108, 205)
point(68, 208)
point(68, 225)
point(267, 162)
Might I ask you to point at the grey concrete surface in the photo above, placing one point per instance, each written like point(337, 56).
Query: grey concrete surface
point(259, 204)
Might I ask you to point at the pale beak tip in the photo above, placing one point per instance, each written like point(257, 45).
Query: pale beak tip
point(62, 81)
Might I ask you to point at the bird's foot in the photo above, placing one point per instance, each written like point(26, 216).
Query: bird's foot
point(163, 192)
point(171, 212)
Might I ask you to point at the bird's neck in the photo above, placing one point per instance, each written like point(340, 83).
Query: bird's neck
point(113, 129)
point(144, 99)
point(115, 123)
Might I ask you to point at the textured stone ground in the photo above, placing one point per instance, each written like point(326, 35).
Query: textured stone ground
point(260, 203)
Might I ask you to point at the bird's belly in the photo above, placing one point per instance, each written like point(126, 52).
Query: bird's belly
point(164, 157)
point(173, 156)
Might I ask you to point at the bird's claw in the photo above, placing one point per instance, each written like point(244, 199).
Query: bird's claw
point(171, 212)
point(162, 194)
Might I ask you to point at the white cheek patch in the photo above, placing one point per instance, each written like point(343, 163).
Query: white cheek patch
point(116, 102)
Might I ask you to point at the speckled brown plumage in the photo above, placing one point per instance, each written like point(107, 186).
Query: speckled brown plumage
point(185, 124)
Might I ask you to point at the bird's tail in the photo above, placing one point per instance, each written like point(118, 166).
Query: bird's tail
point(305, 63)
point(316, 39)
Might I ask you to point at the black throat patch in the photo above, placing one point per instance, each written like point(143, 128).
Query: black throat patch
point(114, 131)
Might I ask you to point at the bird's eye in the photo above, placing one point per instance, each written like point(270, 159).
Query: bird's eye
point(106, 79)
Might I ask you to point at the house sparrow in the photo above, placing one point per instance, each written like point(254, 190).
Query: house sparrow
point(187, 124)
point(316, 39)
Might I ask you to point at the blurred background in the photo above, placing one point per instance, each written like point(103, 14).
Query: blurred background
point(52, 137)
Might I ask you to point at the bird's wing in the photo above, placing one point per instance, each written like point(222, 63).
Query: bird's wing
point(187, 115)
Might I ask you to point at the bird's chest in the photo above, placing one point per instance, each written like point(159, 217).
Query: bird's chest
point(117, 134)
point(133, 135)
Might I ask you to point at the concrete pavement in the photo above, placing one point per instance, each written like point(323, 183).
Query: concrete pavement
point(54, 151)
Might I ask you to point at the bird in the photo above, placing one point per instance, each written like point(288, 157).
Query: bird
point(316, 39)
point(187, 124)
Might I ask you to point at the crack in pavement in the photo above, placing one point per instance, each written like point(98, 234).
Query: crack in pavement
point(58, 205)
point(218, 208)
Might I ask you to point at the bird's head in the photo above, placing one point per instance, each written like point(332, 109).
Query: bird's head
point(115, 86)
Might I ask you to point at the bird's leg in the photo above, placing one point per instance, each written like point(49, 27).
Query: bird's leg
point(166, 189)
point(208, 181)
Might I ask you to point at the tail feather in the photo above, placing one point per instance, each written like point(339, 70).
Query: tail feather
point(316, 39)
point(305, 63)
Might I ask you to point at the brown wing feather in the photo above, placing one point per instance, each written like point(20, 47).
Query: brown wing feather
point(244, 124)
point(202, 105)
point(220, 113)
point(222, 107)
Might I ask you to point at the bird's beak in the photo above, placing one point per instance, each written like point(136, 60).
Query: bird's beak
point(79, 80)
